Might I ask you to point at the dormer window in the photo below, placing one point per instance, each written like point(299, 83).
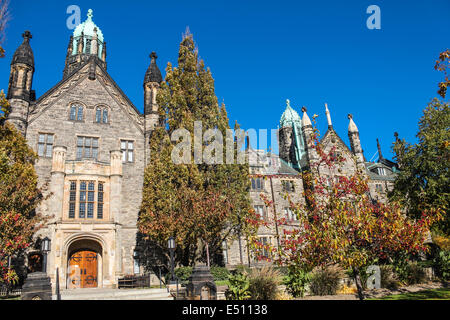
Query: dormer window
point(101, 115)
point(381, 171)
point(76, 113)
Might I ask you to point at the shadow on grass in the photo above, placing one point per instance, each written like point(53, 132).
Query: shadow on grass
point(435, 294)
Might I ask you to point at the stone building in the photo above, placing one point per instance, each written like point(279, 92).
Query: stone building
point(279, 177)
point(93, 143)
point(92, 146)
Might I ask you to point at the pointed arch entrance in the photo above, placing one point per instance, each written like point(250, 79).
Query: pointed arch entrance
point(84, 264)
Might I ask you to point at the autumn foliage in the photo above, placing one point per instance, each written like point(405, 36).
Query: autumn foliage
point(339, 223)
point(19, 196)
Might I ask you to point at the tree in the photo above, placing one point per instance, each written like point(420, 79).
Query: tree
point(424, 177)
point(179, 198)
point(19, 196)
point(4, 18)
point(339, 224)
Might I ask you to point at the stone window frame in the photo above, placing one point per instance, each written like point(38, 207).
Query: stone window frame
point(288, 185)
point(289, 214)
point(45, 143)
point(98, 138)
point(261, 187)
point(102, 108)
point(77, 202)
point(263, 212)
point(268, 241)
point(78, 104)
point(127, 141)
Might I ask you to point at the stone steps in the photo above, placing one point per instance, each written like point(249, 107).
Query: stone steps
point(115, 294)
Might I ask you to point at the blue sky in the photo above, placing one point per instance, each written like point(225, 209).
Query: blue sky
point(264, 52)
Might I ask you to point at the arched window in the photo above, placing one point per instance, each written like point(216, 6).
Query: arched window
point(98, 115)
point(105, 116)
point(76, 113)
point(101, 115)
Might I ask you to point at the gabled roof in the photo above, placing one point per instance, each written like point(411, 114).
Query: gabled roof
point(331, 131)
point(67, 79)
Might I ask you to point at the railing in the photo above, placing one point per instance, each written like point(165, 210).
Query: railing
point(5, 291)
point(133, 281)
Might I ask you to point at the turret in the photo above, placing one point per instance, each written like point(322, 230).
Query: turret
point(355, 143)
point(308, 134)
point(86, 42)
point(291, 141)
point(20, 81)
point(152, 80)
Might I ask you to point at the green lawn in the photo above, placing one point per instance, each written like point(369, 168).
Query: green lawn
point(435, 294)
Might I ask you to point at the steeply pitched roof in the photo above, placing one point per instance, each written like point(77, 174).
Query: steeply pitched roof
point(23, 53)
point(67, 79)
point(153, 73)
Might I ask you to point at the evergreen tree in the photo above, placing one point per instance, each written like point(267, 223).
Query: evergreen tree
point(196, 199)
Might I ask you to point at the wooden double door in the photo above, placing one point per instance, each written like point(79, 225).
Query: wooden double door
point(83, 267)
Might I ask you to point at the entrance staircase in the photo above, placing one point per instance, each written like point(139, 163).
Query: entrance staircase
point(115, 294)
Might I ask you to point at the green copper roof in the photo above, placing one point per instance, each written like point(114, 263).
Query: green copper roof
point(289, 117)
point(87, 29)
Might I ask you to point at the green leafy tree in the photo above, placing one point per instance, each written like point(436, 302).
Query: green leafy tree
point(19, 195)
point(424, 178)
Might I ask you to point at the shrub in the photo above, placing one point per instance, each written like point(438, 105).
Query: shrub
point(325, 281)
point(220, 273)
point(264, 283)
point(415, 274)
point(296, 281)
point(388, 279)
point(182, 273)
point(441, 264)
point(238, 288)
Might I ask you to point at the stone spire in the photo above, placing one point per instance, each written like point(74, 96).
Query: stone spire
point(380, 155)
point(327, 112)
point(153, 73)
point(24, 54)
point(305, 119)
point(308, 136)
point(355, 143)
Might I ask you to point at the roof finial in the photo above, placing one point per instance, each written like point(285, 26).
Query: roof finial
point(27, 35)
point(153, 56)
point(89, 14)
point(350, 116)
point(288, 103)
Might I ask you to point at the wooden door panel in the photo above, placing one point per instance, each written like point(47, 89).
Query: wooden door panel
point(83, 269)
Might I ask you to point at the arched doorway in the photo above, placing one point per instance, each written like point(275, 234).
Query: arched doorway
point(84, 264)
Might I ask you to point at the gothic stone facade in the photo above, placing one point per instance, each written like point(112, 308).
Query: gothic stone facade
point(92, 144)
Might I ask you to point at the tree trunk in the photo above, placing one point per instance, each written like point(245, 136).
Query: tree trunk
point(358, 282)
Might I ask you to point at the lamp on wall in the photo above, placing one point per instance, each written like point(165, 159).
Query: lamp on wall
point(45, 248)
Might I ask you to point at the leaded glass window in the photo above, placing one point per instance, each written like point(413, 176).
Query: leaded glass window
point(45, 145)
point(87, 147)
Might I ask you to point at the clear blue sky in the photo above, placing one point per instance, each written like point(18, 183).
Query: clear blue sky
point(264, 52)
